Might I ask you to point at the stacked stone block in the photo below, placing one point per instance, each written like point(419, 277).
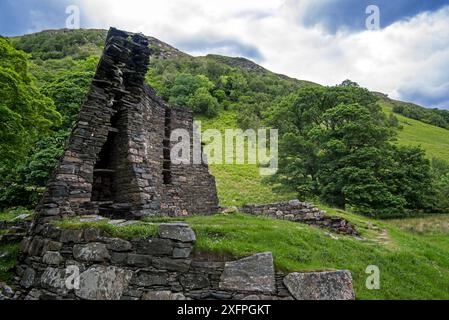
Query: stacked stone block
point(163, 267)
point(295, 210)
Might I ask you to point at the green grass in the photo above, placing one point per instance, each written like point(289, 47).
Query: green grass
point(138, 230)
point(11, 213)
point(237, 184)
point(434, 140)
point(8, 264)
point(428, 225)
point(411, 266)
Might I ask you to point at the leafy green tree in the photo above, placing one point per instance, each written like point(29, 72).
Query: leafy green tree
point(336, 144)
point(25, 114)
point(23, 184)
point(185, 86)
point(202, 102)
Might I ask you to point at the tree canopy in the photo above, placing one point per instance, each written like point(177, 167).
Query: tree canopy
point(336, 145)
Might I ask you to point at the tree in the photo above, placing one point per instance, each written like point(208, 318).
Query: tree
point(186, 85)
point(349, 83)
point(202, 102)
point(335, 144)
point(25, 114)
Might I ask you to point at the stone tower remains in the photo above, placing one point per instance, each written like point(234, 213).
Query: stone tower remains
point(117, 161)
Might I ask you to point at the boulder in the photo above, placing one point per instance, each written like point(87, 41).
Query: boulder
point(91, 252)
point(54, 280)
point(103, 283)
point(295, 203)
point(331, 285)
point(52, 258)
point(28, 276)
point(21, 217)
point(177, 231)
point(253, 274)
point(229, 210)
point(6, 292)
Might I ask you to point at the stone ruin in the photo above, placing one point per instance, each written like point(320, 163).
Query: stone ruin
point(117, 161)
point(161, 267)
point(297, 211)
point(116, 169)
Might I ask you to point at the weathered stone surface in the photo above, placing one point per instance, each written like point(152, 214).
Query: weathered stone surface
point(68, 235)
point(92, 234)
point(119, 258)
point(193, 281)
point(181, 252)
point(332, 285)
point(52, 258)
point(103, 283)
point(52, 246)
point(254, 273)
point(294, 202)
point(229, 210)
point(34, 294)
point(155, 246)
point(119, 245)
point(22, 217)
point(54, 279)
point(92, 218)
point(28, 276)
point(177, 231)
point(6, 292)
point(91, 252)
point(36, 246)
point(162, 295)
point(297, 211)
point(148, 279)
point(138, 260)
point(181, 265)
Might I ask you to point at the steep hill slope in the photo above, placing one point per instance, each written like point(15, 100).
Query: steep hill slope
point(433, 139)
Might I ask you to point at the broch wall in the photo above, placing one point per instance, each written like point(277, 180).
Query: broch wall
point(117, 160)
point(163, 267)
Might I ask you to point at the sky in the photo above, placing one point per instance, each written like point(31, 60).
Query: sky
point(325, 41)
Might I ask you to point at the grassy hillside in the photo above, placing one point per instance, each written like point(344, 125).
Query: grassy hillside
point(238, 184)
point(433, 139)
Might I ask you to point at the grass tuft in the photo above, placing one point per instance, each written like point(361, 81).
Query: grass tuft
point(138, 230)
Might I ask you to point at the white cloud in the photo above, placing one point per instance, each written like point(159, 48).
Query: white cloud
point(405, 57)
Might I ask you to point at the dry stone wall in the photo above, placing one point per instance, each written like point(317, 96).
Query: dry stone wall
point(295, 210)
point(163, 267)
